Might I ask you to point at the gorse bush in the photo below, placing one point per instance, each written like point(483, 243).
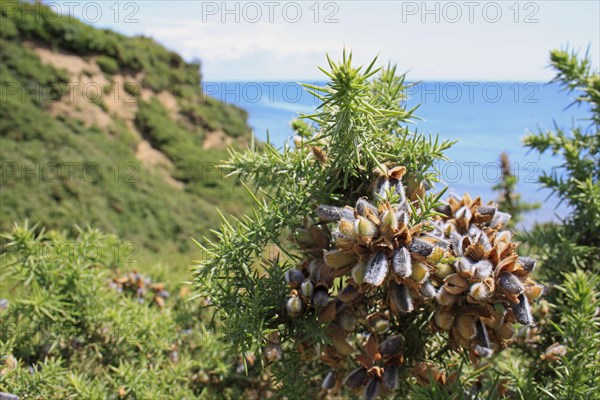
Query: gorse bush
point(353, 279)
point(77, 325)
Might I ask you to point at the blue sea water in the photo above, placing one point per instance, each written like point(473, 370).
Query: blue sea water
point(486, 118)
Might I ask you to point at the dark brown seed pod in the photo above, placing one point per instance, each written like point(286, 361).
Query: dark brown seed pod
point(401, 262)
point(510, 283)
point(522, 311)
point(333, 214)
point(483, 342)
point(420, 247)
point(372, 389)
point(377, 269)
point(400, 298)
point(348, 294)
point(390, 377)
point(528, 263)
point(486, 211)
point(328, 381)
point(444, 209)
point(392, 347)
point(356, 378)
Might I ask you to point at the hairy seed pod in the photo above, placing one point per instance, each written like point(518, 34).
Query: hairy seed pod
point(294, 277)
point(293, 305)
point(348, 294)
point(328, 381)
point(390, 377)
point(483, 269)
point(392, 347)
point(364, 228)
point(443, 319)
point(401, 262)
point(420, 247)
point(484, 241)
point(465, 326)
point(500, 219)
point(480, 292)
point(528, 263)
point(456, 241)
point(510, 283)
point(389, 222)
point(428, 290)
point(356, 378)
point(522, 311)
point(333, 214)
point(362, 205)
point(338, 259)
point(381, 188)
point(320, 297)
point(399, 190)
point(400, 297)
point(372, 389)
point(377, 269)
point(358, 271)
point(346, 228)
point(437, 254)
point(463, 213)
point(465, 266)
point(272, 352)
point(443, 270)
point(307, 288)
point(420, 272)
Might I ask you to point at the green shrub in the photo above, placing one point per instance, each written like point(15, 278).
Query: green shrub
point(69, 333)
point(107, 64)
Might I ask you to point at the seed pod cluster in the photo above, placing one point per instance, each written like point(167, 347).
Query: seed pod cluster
point(377, 246)
point(138, 285)
point(488, 287)
point(458, 266)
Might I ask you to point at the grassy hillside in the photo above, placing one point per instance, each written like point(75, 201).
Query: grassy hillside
point(111, 131)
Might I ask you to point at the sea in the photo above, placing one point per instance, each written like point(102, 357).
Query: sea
point(486, 119)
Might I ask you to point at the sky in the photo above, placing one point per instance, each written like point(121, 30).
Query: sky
point(286, 40)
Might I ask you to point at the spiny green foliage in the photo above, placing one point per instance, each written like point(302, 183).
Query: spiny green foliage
point(577, 376)
point(67, 334)
point(570, 256)
point(509, 200)
point(576, 181)
point(86, 173)
point(362, 120)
